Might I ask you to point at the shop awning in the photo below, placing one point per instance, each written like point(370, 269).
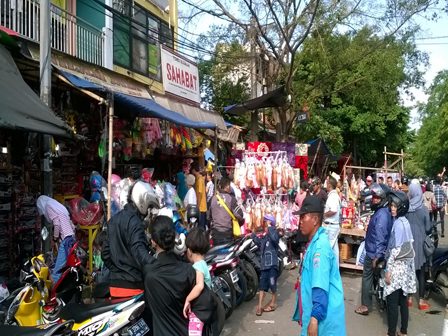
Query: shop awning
point(191, 112)
point(275, 98)
point(314, 147)
point(20, 107)
point(139, 107)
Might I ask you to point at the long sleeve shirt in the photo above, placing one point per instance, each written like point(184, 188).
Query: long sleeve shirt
point(378, 233)
point(62, 224)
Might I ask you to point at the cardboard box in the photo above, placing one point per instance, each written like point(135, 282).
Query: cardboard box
point(345, 251)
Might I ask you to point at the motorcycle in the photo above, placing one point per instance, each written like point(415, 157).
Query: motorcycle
point(24, 304)
point(437, 271)
point(245, 259)
point(232, 281)
point(379, 275)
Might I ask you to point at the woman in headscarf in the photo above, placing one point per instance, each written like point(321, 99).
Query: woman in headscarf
point(63, 229)
point(418, 217)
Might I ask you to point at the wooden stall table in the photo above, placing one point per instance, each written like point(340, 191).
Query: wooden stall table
point(351, 263)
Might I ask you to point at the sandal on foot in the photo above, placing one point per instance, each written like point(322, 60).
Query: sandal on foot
point(259, 311)
point(362, 312)
point(269, 308)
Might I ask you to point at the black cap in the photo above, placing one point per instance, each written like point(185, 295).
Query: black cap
point(310, 204)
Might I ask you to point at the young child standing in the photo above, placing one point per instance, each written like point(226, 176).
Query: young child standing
point(269, 263)
point(198, 243)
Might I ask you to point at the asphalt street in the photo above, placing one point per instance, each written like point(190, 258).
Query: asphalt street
point(245, 322)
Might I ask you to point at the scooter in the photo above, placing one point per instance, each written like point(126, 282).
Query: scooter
point(25, 306)
point(437, 271)
point(379, 283)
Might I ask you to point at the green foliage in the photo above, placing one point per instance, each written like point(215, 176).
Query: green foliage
point(352, 83)
point(431, 144)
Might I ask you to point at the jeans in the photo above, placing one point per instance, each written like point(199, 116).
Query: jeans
point(441, 212)
point(203, 220)
point(393, 301)
point(333, 235)
point(60, 262)
point(367, 283)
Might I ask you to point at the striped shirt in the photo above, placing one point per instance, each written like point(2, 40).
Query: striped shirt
point(62, 224)
point(440, 196)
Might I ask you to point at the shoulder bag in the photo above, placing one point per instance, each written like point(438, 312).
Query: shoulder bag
point(235, 223)
point(428, 244)
point(407, 250)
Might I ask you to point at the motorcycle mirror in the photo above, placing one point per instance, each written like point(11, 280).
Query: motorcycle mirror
point(44, 233)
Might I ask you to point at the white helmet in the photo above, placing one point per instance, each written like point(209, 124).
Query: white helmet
point(180, 246)
point(143, 196)
point(166, 212)
point(4, 293)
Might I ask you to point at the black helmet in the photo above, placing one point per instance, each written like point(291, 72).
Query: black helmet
point(379, 190)
point(401, 201)
point(404, 180)
point(292, 196)
point(193, 214)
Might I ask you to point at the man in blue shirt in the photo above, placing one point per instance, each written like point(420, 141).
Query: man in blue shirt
point(377, 238)
point(320, 298)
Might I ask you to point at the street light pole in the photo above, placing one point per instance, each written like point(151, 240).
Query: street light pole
point(45, 95)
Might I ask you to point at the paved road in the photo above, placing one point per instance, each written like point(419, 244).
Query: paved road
point(245, 322)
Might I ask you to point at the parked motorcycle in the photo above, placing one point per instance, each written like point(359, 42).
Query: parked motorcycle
point(379, 275)
point(437, 272)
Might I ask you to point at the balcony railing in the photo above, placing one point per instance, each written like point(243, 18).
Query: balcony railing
point(69, 34)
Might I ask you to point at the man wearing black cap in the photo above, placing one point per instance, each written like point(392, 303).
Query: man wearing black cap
point(320, 298)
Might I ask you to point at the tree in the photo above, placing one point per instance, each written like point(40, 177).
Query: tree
point(430, 150)
point(222, 81)
point(358, 110)
point(280, 28)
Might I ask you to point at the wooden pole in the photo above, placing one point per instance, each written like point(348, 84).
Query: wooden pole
point(109, 171)
point(215, 167)
point(315, 155)
point(402, 163)
point(385, 164)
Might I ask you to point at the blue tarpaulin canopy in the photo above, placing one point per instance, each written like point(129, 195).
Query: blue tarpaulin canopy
point(139, 107)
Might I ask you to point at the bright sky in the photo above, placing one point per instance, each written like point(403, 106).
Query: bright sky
point(437, 50)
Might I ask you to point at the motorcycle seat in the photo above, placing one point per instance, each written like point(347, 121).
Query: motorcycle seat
point(55, 329)
point(79, 312)
point(439, 252)
point(216, 248)
point(209, 258)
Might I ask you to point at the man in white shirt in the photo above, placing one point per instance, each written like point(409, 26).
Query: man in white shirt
point(332, 213)
point(190, 197)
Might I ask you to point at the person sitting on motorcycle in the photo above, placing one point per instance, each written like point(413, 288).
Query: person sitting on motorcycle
point(219, 216)
point(198, 243)
point(269, 263)
point(63, 230)
point(126, 249)
point(377, 238)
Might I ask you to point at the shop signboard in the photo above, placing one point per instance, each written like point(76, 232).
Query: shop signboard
point(303, 117)
point(96, 75)
point(180, 76)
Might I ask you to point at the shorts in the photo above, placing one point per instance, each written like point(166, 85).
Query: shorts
point(268, 280)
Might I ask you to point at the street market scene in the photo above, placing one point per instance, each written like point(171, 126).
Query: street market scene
point(251, 167)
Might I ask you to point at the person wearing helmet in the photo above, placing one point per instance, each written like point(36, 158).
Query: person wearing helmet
point(377, 238)
point(125, 249)
point(400, 273)
point(269, 263)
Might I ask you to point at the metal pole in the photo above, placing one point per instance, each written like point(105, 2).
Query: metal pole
point(45, 95)
point(253, 80)
point(109, 171)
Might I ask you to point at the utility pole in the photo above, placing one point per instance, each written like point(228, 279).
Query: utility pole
point(253, 79)
point(45, 95)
